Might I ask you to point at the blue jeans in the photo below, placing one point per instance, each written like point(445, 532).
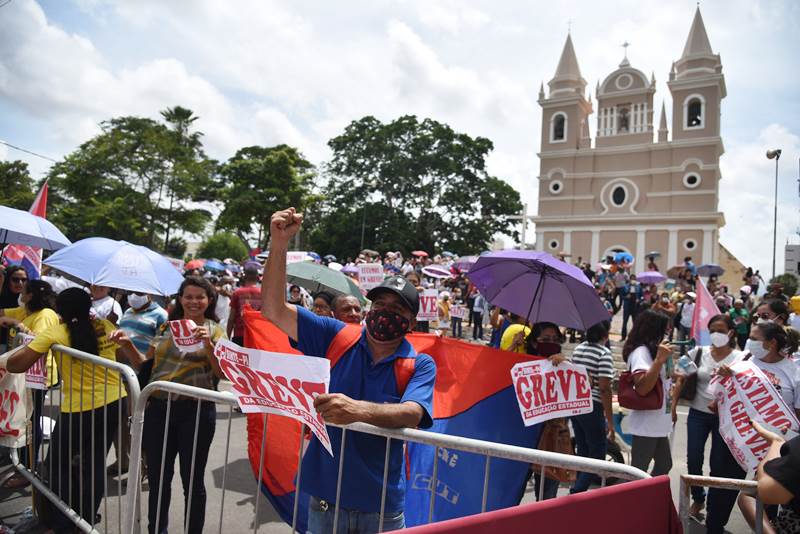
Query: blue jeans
point(720, 502)
point(590, 441)
point(320, 519)
point(456, 326)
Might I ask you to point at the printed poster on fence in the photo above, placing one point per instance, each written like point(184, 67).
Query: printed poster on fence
point(183, 336)
point(749, 394)
point(545, 391)
point(36, 375)
point(15, 404)
point(370, 275)
point(282, 384)
point(428, 306)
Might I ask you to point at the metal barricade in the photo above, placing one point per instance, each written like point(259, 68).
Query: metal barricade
point(47, 477)
point(747, 487)
point(490, 450)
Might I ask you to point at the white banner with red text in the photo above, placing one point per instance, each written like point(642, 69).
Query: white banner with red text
point(15, 404)
point(36, 375)
point(546, 391)
point(428, 305)
point(370, 275)
point(282, 384)
point(749, 394)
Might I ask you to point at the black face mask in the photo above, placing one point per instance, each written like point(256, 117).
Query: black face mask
point(384, 325)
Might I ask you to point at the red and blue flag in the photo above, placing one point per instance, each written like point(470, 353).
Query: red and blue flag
point(29, 257)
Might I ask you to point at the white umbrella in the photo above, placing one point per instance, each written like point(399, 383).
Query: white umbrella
point(19, 227)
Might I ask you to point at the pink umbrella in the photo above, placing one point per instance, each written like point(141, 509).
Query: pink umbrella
point(420, 253)
point(437, 271)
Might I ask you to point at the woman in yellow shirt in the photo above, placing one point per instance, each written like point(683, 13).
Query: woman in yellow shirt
point(89, 405)
point(35, 315)
point(196, 301)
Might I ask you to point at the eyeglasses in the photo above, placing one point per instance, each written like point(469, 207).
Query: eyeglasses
point(19, 280)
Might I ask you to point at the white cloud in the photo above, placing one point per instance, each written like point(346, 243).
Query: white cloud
point(450, 16)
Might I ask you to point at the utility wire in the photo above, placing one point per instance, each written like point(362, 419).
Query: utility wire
point(24, 150)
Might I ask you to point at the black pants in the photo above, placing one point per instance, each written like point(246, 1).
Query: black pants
point(180, 439)
point(456, 326)
point(477, 325)
point(79, 471)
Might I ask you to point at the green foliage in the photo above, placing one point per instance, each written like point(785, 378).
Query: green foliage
point(422, 185)
point(259, 181)
point(16, 185)
point(135, 181)
point(223, 245)
point(789, 283)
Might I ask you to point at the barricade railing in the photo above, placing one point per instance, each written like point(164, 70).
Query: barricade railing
point(489, 450)
point(78, 433)
point(747, 487)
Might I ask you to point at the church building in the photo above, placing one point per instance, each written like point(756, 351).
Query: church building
point(632, 187)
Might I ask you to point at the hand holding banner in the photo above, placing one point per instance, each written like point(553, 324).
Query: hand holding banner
point(545, 391)
point(36, 375)
point(183, 336)
point(282, 384)
point(458, 312)
point(749, 394)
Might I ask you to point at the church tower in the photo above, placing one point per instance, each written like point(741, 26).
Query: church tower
point(635, 189)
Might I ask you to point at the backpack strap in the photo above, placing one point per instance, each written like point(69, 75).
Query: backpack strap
point(403, 371)
point(342, 342)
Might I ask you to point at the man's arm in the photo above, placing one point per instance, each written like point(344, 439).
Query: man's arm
point(604, 385)
point(283, 226)
point(340, 409)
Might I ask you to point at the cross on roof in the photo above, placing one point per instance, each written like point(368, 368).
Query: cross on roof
point(625, 45)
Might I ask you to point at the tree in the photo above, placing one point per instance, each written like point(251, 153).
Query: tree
point(135, 181)
point(223, 245)
point(789, 283)
point(420, 185)
point(16, 185)
point(259, 181)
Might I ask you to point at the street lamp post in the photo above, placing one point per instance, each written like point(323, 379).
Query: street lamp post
point(776, 155)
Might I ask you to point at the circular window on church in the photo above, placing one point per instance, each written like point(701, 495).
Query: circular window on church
point(556, 186)
point(690, 244)
point(553, 244)
point(691, 180)
point(619, 195)
point(624, 81)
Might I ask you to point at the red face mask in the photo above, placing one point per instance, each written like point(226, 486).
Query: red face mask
point(547, 349)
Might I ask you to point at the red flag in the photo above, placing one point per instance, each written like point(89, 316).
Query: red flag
point(704, 309)
point(30, 257)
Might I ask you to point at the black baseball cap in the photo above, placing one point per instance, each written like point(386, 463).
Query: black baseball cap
point(400, 287)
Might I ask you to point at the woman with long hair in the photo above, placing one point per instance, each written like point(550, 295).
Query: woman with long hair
point(703, 421)
point(35, 314)
point(89, 405)
point(195, 302)
point(650, 362)
point(13, 283)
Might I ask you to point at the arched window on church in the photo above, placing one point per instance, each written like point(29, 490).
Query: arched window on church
point(624, 120)
point(558, 128)
point(694, 108)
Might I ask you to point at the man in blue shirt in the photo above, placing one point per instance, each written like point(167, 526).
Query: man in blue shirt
point(364, 388)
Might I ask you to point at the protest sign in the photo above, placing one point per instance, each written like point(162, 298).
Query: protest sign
point(749, 394)
point(370, 275)
point(428, 310)
point(296, 256)
point(15, 404)
point(545, 391)
point(183, 336)
point(458, 312)
point(36, 375)
point(282, 384)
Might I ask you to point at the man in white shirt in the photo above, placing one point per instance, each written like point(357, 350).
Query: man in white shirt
point(104, 306)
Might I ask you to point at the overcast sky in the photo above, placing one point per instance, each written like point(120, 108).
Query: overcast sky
point(267, 72)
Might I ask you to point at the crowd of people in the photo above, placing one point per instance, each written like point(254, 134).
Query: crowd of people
point(132, 328)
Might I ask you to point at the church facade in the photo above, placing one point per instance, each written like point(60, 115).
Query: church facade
point(633, 187)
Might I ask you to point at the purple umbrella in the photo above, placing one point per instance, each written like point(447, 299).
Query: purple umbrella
point(465, 263)
point(437, 271)
point(650, 277)
point(538, 286)
point(349, 269)
point(710, 269)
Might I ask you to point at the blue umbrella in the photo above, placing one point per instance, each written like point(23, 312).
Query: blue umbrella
point(623, 257)
point(19, 227)
point(214, 265)
point(710, 269)
point(118, 264)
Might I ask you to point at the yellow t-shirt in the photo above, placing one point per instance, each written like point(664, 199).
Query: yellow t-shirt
point(192, 369)
point(85, 385)
point(37, 322)
point(508, 337)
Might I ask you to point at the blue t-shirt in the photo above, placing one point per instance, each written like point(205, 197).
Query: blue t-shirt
point(356, 376)
point(143, 326)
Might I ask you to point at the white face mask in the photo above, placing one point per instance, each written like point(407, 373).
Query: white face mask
point(719, 339)
point(756, 348)
point(137, 301)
